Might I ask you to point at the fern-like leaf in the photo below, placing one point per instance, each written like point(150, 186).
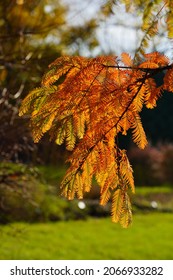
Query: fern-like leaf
point(139, 136)
point(126, 215)
point(126, 171)
point(126, 59)
point(71, 137)
point(117, 205)
point(168, 80)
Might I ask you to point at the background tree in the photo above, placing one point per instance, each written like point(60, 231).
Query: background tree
point(24, 47)
point(33, 33)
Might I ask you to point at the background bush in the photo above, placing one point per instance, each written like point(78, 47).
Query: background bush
point(24, 196)
point(153, 165)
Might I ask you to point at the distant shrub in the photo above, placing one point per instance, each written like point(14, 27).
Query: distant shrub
point(146, 165)
point(166, 165)
point(24, 196)
point(153, 165)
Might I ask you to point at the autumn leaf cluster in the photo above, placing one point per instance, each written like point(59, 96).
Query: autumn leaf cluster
point(87, 103)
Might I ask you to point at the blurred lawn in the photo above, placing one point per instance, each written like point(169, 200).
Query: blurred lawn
point(149, 237)
point(145, 190)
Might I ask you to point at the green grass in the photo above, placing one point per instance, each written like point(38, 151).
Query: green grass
point(153, 189)
point(149, 237)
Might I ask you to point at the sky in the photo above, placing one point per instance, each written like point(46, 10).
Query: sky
point(119, 33)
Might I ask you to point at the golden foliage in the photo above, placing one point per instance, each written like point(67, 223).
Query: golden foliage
point(87, 103)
